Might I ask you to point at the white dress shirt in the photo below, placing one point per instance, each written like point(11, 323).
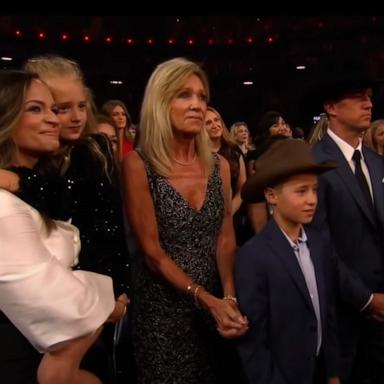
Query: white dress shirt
point(348, 151)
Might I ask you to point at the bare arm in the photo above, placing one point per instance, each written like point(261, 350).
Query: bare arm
point(141, 216)
point(236, 200)
point(226, 243)
point(225, 256)
point(9, 180)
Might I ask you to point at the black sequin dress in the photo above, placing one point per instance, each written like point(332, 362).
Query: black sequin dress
point(89, 194)
point(171, 335)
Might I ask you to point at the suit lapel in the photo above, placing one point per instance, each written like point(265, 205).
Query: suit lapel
point(345, 173)
point(283, 250)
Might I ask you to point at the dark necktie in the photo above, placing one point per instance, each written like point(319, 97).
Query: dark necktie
point(361, 178)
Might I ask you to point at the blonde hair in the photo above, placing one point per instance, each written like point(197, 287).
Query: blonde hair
point(226, 136)
point(52, 66)
point(235, 127)
point(156, 134)
point(318, 130)
point(369, 136)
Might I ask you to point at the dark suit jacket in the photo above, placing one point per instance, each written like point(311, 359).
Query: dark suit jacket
point(280, 346)
point(354, 229)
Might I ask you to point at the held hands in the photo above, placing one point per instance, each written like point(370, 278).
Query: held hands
point(229, 321)
point(120, 309)
point(233, 324)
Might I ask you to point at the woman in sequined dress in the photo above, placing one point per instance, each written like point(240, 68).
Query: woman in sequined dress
point(179, 208)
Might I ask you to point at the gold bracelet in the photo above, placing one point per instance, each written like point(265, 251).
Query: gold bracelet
point(230, 297)
point(124, 308)
point(189, 288)
point(195, 296)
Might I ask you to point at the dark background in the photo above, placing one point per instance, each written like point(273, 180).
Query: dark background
point(264, 49)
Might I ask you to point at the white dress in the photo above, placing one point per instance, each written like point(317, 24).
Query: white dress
point(47, 301)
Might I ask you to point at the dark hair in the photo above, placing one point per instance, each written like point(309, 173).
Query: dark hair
point(13, 87)
point(266, 121)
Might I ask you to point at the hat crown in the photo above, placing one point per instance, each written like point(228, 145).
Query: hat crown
point(283, 159)
point(286, 155)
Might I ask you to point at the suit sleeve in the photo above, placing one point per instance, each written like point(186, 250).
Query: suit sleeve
point(331, 347)
point(253, 348)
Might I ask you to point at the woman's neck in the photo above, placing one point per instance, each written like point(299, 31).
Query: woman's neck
point(216, 144)
point(243, 147)
point(184, 151)
point(25, 160)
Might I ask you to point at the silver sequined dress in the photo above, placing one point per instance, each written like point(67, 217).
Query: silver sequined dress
point(171, 335)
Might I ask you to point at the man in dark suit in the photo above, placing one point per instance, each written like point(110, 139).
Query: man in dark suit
point(351, 214)
point(284, 276)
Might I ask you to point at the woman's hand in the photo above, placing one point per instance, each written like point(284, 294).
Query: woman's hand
point(120, 309)
point(229, 321)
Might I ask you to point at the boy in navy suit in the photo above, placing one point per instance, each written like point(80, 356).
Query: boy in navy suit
point(284, 276)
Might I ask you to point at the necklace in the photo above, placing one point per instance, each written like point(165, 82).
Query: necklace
point(185, 164)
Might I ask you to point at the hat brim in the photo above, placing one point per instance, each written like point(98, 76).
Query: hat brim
point(253, 189)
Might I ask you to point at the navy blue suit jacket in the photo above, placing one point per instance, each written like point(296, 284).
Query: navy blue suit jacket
point(280, 346)
point(355, 230)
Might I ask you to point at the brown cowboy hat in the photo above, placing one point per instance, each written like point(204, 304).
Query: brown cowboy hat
point(283, 159)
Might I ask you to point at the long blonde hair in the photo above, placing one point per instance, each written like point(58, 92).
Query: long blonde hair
point(318, 130)
point(369, 136)
point(156, 134)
